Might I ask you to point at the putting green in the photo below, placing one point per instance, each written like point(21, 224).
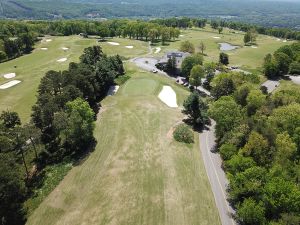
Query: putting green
point(140, 86)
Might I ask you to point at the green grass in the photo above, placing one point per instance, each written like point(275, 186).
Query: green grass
point(246, 57)
point(137, 174)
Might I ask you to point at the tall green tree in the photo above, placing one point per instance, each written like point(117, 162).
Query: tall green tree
point(197, 73)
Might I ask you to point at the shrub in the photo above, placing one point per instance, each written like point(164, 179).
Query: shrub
point(184, 134)
point(295, 68)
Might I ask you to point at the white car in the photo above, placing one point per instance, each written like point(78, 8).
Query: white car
point(154, 71)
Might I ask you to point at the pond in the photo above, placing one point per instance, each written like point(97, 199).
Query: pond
point(227, 47)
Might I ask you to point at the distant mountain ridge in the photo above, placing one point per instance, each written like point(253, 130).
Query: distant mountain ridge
point(273, 14)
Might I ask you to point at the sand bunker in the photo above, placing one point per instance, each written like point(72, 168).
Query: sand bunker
point(113, 43)
point(158, 49)
point(168, 96)
point(181, 35)
point(62, 60)
point(277, 39)
point(253, 46)
point(44, 49)
point(9, 75)
point(113, 90)
point(284, 41)
point(48, 40)
point(216, 37)
point(9, 84)
point(129, 46)
point(64, 48)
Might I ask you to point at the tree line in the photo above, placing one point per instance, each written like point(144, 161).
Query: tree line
point(61, 127)
point(12, 47)
point(285, 60)
point(258, 137)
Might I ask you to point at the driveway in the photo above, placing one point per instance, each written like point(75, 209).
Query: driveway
point(216, 175)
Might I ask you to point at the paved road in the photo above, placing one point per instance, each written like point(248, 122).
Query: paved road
point(216, 175)
point(271, 85)
point(295, 79)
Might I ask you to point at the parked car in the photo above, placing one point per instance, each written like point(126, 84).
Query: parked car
point(154, 71)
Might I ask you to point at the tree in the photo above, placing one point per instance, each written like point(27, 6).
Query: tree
point(285, 149)
point(281, 196)
point(224, 58)
point(255, 100)
point(220, 29)
point(171, 65)
point(239, 163)
point(103, 31)
point(189, 62)
point(294, 68)
point(187, 46)
point(202, 47)
point(247, 37)
point(10, 119)
point(283, 62)
point(241, 94)
point(249, 183)
point(214, 25)
point(258, 148)
point(184, 134)
point(28, 42)
point(77, 130)
point(250, 212)
point(271, 69)
point(197, 73)
point(227, 151)
point(12, 191)
point(91, 55)
point(196, 109)
point(226, 113)
point(223, 87)
point(3, 56)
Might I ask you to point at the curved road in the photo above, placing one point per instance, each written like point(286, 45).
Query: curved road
point(216, 175)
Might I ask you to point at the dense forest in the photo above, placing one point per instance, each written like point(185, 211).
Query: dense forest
point(258, 139)
point(266, 13)
point(61, 127)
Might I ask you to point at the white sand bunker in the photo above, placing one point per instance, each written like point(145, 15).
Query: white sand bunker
point(284, 41)
point(158, 49)
point(216, 37)
point(9, 84)
point(44, 49)
point(253, 46)
point(113, 90)
point(64, 48)
point(181, 35)
point(113, 43)
point(62, 60)
point(278, 39)
point(168, 96)
point(48, 40)
point(129, 46)
point(9, 75)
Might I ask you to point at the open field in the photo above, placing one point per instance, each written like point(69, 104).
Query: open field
point(247, 57)
point(137, 174)
point(31, 68)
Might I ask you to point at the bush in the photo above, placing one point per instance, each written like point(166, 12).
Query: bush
point(184, 134)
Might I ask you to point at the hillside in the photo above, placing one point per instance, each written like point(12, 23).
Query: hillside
point(268, 13)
